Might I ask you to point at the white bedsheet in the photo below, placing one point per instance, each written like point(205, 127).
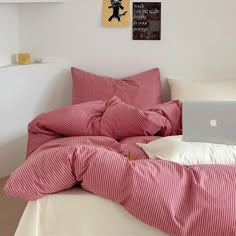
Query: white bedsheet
point(79, 213)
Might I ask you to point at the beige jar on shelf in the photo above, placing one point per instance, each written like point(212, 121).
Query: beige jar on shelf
point(24, 58)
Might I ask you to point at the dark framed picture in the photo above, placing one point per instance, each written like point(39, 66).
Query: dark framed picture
point(146, 20)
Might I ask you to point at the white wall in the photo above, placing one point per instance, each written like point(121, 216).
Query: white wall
point(8, 33)
point(25, 92)
point(198, 39)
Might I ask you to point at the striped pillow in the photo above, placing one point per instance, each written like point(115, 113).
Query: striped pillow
point(142, 90)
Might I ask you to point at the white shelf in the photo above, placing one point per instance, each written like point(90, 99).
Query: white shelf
point(12, 66)
point(29, 1)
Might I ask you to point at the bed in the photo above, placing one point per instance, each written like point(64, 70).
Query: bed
point(88, 170)
point(78, 212)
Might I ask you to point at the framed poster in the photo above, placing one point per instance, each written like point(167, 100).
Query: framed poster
point(116, 13)
point(146, 20)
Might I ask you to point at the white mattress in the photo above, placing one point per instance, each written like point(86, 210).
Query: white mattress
point(79, 213)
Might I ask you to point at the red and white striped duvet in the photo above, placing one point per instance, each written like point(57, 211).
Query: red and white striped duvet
point(77, 145)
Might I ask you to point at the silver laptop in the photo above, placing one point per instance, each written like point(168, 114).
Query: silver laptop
point(208, 121)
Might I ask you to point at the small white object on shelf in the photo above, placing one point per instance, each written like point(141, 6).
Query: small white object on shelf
point(36, 60)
